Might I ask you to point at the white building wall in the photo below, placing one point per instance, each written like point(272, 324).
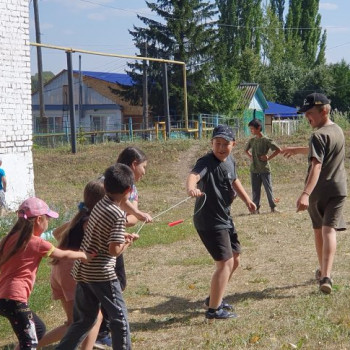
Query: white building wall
point(254, 104)
point(15, 101)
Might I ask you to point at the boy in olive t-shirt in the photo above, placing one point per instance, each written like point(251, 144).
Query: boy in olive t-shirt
point(325, 188)
point(257, 150)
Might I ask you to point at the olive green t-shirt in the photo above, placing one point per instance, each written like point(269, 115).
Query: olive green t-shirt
point(327, 145)
point(260, 146)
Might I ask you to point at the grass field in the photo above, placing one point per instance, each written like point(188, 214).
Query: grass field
point(274, 291)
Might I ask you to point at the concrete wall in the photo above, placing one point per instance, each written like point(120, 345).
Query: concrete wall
point(15, 101)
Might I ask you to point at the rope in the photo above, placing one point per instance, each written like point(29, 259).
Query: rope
point(174, 206)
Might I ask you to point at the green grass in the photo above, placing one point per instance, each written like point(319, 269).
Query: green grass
point(169, 269)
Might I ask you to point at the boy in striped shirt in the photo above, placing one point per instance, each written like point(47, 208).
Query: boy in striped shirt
point(97, 282)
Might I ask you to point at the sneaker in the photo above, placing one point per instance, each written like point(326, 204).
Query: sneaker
point(275, 211)
point(326, 285)
point(223, 305)
point(101, 342)
point(318, 275)
point(255, 212)
point(220, 314)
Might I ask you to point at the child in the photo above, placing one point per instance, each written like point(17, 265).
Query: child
point(215, 174)
point(257, 149)
point(325, 188)
point(21, 251)
point(3, 185)
point(137, 161)
point(97, 282)
point(70, 236)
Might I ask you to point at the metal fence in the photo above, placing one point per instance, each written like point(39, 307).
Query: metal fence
point(198, 127)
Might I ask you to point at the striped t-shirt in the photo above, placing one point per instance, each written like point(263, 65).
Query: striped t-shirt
point(106, 225)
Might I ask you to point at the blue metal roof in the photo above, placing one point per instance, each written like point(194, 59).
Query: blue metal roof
point(281, 111)
point(117, 78)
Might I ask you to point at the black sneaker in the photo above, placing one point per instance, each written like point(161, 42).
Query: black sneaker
point(326, 285)
point(220, 314)
point(223, 305)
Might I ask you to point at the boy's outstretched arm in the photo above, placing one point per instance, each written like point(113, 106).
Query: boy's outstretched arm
point(291, 151)
point(191, 185)
point(238, 187)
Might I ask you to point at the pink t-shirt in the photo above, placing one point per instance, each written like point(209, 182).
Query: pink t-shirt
point(17, 275)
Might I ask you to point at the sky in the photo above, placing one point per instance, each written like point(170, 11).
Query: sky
point(102, 26)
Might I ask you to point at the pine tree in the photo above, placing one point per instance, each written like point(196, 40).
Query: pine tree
point(185, 34)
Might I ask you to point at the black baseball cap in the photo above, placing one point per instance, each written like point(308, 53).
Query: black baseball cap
point(225, 132)
point(315, 99)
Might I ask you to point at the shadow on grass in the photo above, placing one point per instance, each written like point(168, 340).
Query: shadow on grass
point(178, 310)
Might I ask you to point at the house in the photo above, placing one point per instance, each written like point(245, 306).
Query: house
point(281, 119)
point(276, 118)
point(96, 106)
point(252, 104)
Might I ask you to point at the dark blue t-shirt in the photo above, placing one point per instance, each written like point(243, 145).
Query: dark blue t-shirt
point(216, 180)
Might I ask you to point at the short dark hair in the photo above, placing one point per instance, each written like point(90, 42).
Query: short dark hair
point(118, 178)
point(255, 123)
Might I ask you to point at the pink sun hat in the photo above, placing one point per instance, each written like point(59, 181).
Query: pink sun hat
point(34, 206)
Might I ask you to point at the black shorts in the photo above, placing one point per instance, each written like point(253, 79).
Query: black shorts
point(221, 244)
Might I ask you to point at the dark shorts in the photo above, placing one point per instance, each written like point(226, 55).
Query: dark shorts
point(221, 244)
point(327, 212)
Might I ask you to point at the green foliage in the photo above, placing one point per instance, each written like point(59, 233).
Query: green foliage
point(222, 94)
point(340, 96)
point(342, 119)
point(46, 77)
point(185, 34)
point(305, 45)
point(279, 82)
point(81, 137)
point(282, 49)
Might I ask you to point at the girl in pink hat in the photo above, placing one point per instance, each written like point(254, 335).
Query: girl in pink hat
point(21, 251)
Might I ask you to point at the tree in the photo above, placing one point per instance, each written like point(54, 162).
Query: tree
point(318, 79)
point(239, 28)
point(277, 7)
point(340, 97)
point(281, 81)
point(222, 94)
point(304, 38)
point(273, 39)
point(185, 34)
point(46, 77)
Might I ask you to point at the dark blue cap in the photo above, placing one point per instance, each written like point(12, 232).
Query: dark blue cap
point(225, 132)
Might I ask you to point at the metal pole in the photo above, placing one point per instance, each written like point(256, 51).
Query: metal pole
point(185, 96)
point(43, 120)
point(80, 93)
point(166, 100)
point(71, 101)
point(145, 93)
